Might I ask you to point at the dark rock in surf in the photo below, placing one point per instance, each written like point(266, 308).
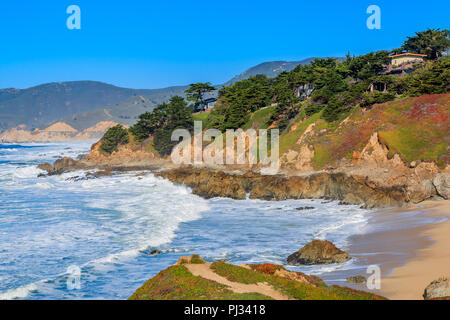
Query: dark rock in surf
point(305, 208)
point(359, 279)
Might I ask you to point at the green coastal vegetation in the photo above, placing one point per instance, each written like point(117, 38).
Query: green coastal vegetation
point(178, 283)
point(161, 122)
point(327, 93)
point(114, 137)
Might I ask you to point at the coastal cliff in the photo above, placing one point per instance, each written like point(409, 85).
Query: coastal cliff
point(392, 154)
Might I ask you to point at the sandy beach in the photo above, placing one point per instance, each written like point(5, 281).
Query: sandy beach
point(427, 264)
point(410, 245)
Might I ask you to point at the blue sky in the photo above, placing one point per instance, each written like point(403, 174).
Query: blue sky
point(151, 44)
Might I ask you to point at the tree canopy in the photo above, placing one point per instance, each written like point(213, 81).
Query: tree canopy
point(161, 122)
point(236, 102)
point(431, 42)
point(114, 137)
point(196, 92)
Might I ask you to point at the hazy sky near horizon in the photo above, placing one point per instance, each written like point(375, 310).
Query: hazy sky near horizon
point(152, 44)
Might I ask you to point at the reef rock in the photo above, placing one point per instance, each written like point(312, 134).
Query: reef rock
point(61, 165)
point(338, 186)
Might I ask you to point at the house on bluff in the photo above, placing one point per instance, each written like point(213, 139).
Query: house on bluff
point(403, 63)
point(400, 65)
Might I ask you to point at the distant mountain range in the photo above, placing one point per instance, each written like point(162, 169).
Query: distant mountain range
point(270, 69)
point(82, 104)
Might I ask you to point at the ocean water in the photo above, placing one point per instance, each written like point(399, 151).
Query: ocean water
point(108, 226)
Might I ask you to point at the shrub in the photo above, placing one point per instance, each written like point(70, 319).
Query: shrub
point(161, 122)
point(196, 259)
point(335, 109)
point(314, 108)
point(113, 138)
point(149, 122)
point(376, 97)
point(432, 79)
point(266, 268)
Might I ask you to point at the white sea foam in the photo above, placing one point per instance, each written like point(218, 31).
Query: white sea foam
point(44, 185)
point(27, 172)
point(8, 149)
point(18, 293)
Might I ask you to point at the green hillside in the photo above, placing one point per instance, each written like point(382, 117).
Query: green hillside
point(415, 128)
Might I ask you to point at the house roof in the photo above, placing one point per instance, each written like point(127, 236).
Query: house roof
point(408, 54)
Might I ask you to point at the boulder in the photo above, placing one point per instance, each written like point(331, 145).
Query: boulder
point(318, 252)
point(63, 165)
point(442, 184)
point(437, 289)
point(359, 279)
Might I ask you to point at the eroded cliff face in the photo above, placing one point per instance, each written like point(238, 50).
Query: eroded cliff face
point(374, 162)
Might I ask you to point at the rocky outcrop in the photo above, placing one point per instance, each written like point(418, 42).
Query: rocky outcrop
point(318, 252)
point(126, 155)
point(338, 186)
point(442, 184)
point(437, 289)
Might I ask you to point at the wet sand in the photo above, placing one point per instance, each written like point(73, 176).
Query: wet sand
point(411, 247)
